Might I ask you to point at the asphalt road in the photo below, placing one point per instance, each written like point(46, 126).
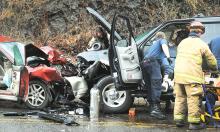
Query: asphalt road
point(141, 122)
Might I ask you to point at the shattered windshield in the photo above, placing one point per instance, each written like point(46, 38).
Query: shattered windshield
point(17, 56)
point(14, 51)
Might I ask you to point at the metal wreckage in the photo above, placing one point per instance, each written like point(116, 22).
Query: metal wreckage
point(53, 79)
point(30, 76)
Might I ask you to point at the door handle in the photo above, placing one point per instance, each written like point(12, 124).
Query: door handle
point(133, 68)
point(127, 57)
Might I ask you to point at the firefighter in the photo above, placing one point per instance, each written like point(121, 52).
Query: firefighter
point(214, 46)
point(188, 76)
point(152, 72)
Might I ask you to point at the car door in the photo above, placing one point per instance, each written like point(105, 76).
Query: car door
point(123, 58)
point(18, 77)
point(20, 81)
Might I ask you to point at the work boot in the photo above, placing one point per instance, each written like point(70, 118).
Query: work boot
point(156, 112)
point(180, 123)
point(196, 126)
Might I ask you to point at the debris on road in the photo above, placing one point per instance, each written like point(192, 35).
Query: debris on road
point(58, 118)
point(20, 113)
point(63, 114)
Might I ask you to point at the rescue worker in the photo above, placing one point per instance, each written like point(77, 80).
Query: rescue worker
point(152, 73)
point(180, 35)
point(188, 76)
point(214, 46)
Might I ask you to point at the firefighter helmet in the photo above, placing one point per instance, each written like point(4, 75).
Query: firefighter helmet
point(197, 26)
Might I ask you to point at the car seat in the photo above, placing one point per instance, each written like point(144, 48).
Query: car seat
point(2, 74)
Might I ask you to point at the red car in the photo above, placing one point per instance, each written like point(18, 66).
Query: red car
point(25, 75)
point(14, 78)
point(46, 83)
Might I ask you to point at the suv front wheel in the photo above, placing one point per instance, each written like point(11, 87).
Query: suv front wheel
point(113, 101)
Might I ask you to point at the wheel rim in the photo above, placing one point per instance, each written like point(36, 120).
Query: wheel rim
point(36, 96)
point(111, 97)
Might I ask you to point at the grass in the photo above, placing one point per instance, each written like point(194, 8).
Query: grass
point(6, 13)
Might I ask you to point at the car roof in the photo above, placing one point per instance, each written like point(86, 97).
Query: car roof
point(203, 19)
point(200, 18)
point(208, 19)
point(26, 50)
point(5, 39)
point(7, 46)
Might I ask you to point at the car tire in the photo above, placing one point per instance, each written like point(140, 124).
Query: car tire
point(113, 104)
point(38, 97)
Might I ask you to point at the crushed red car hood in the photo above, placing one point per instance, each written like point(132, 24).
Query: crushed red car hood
point(54, 55)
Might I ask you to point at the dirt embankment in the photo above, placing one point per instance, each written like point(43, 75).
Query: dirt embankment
point(66, 25)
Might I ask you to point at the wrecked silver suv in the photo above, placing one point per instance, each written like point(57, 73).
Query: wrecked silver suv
point(124, 55)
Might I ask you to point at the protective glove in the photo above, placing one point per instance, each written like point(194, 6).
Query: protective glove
point(170, 60)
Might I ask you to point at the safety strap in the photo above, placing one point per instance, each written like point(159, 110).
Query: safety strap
point(209, 106)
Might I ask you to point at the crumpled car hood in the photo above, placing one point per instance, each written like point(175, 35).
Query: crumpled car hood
point(54, 56)
point(101, 55)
